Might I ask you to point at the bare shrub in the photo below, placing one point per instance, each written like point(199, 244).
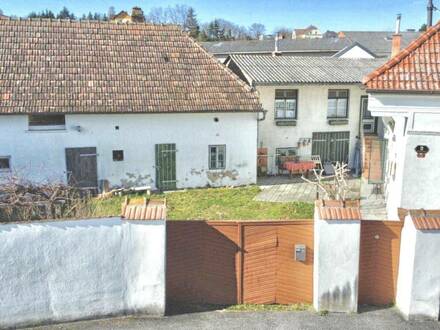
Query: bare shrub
point(23, 200)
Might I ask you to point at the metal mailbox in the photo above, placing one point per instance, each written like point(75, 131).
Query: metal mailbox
point(300, 252)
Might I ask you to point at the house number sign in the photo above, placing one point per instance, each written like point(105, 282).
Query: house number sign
point(421, 151)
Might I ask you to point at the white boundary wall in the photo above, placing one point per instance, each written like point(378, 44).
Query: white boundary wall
point(418, 284)
point(70, 270)
point(336, 265)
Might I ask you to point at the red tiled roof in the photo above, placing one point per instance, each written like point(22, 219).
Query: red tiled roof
point(334, 210)
point(61, 66)
point(153, 210)
point(414, 69)
point(426, 220)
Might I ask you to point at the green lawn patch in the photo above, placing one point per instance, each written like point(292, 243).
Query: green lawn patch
point(269, 308)
point(214, 204)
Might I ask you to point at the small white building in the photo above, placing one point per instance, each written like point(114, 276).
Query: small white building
point(313, 104)
point(99, 104)
point(404, 92)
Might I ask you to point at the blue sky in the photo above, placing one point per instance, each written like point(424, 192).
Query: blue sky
point(327, 15)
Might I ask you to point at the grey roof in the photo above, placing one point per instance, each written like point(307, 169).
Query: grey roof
point(261, 69)
point(284, 45)
point(378, 42)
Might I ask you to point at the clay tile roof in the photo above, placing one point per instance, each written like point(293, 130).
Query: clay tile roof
point(153, 210)
point(414, 69)
point(426, 219)
point(63, 66)
point(332, 211)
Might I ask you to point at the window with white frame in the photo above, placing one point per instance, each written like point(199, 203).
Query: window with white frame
point(283, 154)
point(5, 163)
point(286, 103)
point(217, 157)
point(41, 122)
point(337, 103)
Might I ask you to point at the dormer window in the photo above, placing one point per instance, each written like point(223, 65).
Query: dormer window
point(46, 122)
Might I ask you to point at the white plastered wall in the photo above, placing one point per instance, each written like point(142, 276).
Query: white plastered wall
point(418, 285)
point(70, 270)
point(40, 156)
point(336, 265)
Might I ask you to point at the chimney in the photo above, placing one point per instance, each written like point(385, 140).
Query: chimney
point(137, 15)
point(397, 38)
point(276, 52)
point(430, 11)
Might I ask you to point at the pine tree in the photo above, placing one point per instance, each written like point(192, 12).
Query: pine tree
point(65, 14)
point(191, 25)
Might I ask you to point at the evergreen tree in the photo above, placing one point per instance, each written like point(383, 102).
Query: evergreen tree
point(423, 28)
point(191, 24)
point(65, 14)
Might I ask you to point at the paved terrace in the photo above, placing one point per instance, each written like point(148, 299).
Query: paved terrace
point(282, 189)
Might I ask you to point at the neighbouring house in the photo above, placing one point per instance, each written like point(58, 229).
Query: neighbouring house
point(377, 43)
point(137, 16)
point(99, 104)
point(313, 104)
point(310, 32)
point(405, 94)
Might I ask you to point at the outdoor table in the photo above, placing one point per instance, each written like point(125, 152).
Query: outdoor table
point(301, 166)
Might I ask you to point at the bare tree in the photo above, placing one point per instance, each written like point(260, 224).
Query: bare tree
point(177, 14)
point(334, 186)
point(156, 16)
point(256, 30)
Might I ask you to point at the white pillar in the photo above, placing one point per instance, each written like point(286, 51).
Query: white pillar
point(418, 283)
point(336, 258)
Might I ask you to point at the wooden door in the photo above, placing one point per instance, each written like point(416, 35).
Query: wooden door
point(166, 166)
point(331, 146)
point(379, 261)
point(81, 166)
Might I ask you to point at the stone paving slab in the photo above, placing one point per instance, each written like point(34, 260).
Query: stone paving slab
point(286, 189)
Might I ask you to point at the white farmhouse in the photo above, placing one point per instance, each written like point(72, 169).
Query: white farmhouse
point(313, 104)
point(103, 104)
point(405, 93)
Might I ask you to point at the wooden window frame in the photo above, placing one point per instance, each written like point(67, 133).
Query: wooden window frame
point(285, 98)
point(118, 155)
point(38, 124)
point(347, 98)
point(6, 169)
point(217, 167)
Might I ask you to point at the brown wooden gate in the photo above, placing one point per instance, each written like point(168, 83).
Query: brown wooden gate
point(238, 262)
point(379, 261)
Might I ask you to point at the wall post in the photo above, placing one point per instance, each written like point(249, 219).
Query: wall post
point(336, 257)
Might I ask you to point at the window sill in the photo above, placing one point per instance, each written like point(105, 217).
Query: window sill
point(337, 121)
point(285, 122)
point(46, 130)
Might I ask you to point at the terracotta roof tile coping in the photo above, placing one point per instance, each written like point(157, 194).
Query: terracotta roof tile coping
point(151, 210)
point(425, 219)
point(335, 210)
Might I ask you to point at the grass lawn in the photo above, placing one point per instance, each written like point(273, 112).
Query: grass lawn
point(214, 204)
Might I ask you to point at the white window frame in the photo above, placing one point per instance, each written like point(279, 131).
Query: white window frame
point(338, 98)
point(219, 149)
point(284, 101)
